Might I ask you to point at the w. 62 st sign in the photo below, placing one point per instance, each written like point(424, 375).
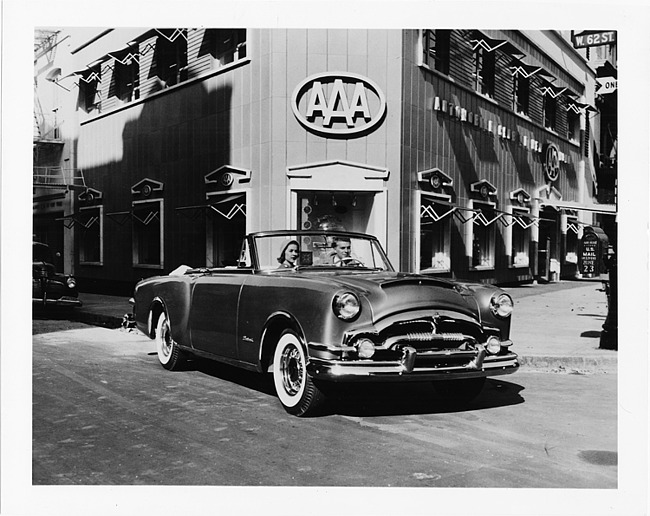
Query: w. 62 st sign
point(338, 103)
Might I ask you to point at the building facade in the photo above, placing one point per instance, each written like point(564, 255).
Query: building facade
point(463, 151)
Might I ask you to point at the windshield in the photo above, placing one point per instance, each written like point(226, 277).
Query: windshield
point(319, 250)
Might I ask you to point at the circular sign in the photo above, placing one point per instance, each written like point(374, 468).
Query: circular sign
point(436, 181)
point(338, 103)
point(227, 179)
point(146, 190)
point(551, 162)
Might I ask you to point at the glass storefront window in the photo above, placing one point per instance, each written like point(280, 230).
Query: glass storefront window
point(435, 228)
point(226, 230)
point(343, 211)
point(572, 242)
point(519, 252)
point(147, 234)
point(90, 241)
point(484, 237)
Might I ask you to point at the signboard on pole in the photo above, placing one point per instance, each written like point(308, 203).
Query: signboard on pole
point(592, 38)
point(588, 257)
point(606, 85)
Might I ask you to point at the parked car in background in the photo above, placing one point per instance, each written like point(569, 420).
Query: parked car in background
point(50, 288)
point(329, 317)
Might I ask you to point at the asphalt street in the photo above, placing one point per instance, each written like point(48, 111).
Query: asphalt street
point(106, 413)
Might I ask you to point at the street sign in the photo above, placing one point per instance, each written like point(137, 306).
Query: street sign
point(606, 85)
point(593, 38)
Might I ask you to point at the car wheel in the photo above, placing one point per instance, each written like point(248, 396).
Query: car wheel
point(169, 354)
point(456, 392)
point(296, 390)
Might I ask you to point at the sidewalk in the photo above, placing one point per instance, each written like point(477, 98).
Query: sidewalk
point(555, 326)
point(558, 325)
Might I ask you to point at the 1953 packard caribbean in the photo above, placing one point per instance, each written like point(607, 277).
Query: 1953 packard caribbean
point(336, 311)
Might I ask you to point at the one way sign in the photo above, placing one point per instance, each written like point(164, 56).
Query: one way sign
point(605, 85)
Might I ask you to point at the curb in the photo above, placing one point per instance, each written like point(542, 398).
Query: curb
point(566, 363)
point(105, 321)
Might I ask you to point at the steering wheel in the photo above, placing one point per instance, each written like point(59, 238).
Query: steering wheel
point(350, 262)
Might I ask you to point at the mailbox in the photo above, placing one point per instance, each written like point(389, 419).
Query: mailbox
point(593, 251)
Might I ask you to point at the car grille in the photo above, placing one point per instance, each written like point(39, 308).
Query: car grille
point(433, 334)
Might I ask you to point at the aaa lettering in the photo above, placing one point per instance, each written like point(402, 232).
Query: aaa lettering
point(338, 107)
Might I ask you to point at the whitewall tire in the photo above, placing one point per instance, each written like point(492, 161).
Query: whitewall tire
point(169, 355)
point(296, 390)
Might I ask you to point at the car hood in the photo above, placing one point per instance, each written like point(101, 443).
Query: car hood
point(392, 292)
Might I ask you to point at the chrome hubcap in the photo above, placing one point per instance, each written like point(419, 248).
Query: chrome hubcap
point(165, 340)
point(292, 370)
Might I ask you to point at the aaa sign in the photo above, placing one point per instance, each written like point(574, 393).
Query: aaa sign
point(338, 103)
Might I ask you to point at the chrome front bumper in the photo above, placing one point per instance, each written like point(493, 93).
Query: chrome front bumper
point(468, 364)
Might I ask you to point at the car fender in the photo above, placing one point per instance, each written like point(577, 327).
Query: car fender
point(275, 324)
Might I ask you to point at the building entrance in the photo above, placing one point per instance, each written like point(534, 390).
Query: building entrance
point(349, 211)
point(339, 195)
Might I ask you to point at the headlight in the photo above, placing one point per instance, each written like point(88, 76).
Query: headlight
point(501, 305)
point(493, 345)
point(346, 306)
point(71, 282)
point(365, 348)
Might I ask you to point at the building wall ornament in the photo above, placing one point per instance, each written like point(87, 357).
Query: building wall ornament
point(338, 103)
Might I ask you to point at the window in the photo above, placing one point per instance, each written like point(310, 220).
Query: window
point(226, 229)
point(521, 89)
point(127, 80)
point(347, 211)
point(171, 57)
point(519, 251)
point(550, 112)
point(436, 44)
point(435, 229)
point(89, 90)
point(484, 66)
point(226, 45)
point(483, 237)
point(573, 125)
point(147, 234)
point(572, 241)
point(90, 239)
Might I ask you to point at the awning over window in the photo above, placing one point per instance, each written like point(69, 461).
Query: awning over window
point(607, 209)
point(227, 207)
point(578, 107)
point(552, 90)
point(478, 39)
point(80, 219)
point(519, 67)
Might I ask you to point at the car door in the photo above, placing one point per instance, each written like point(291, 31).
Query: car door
point(213, 316)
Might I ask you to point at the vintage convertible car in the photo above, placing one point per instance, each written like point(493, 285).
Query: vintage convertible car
point(50, 288)
point(323, 321)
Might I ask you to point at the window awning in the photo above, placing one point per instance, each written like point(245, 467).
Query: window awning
point(578, 107)
point(552, 90)
point(77, 218)
point(607, 209)
point(479, 39)
point(519, 67)
point(228, 207)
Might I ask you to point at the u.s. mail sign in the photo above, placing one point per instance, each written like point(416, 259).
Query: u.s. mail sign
point(338, 103)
